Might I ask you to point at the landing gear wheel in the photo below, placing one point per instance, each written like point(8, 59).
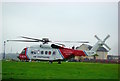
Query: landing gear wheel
point(50, 62)
point(59, 62)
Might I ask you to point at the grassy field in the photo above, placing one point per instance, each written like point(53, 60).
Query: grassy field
point(66, 70)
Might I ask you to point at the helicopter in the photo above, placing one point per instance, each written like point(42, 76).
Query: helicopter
point(49, 51)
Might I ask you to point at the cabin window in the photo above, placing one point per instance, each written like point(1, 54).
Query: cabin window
point(54, 52)
point(38, 51)
point(46, 52)
point(49, 52)
point(32, 52)
point(42, 52)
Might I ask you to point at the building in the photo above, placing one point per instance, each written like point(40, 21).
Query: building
point(101, 53)
point(113, 57)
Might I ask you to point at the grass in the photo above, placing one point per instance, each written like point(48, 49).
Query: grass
point(66, 70)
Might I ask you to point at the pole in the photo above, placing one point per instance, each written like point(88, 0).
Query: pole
point(4, 50)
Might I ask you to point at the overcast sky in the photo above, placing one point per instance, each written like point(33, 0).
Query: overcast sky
point(60, 21)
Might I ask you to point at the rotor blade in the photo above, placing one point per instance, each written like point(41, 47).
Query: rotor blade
point(97, 37)
point(106, 38)
point(107, 46)
point(60, 44)
point(31, 38)
point(73, 41)
point(22, 41)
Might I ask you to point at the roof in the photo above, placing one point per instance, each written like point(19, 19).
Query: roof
point(100, 49)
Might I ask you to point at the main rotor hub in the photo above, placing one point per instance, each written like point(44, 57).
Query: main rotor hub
point(45, 40)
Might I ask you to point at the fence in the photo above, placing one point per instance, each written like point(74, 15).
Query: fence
point(102, 61)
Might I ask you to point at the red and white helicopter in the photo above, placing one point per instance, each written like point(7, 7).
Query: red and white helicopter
point(54, 51)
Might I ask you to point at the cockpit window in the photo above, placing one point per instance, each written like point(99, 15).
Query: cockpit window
point(23, 51)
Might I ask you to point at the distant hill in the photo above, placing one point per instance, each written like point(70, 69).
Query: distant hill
point(10, 56)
